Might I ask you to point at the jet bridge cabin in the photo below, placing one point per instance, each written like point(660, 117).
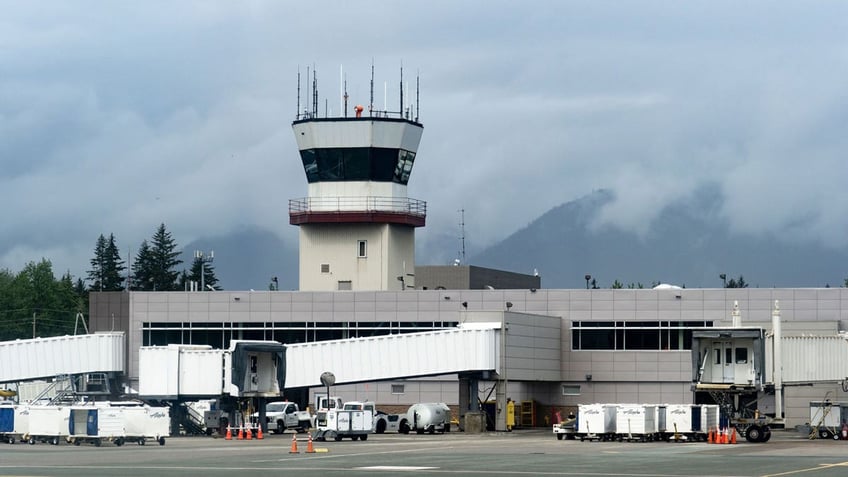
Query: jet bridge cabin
point(728, 359)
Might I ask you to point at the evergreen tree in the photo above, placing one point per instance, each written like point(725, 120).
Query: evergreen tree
point(209, 277)
point(737, 283)
point(143, 268)
point(107, 268)
point(163, 254)
point(95, 275)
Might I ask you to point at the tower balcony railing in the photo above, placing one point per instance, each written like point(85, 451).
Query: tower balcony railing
point(401, 210)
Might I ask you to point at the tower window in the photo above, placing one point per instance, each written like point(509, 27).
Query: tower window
point(362, 249)
point(325, 268)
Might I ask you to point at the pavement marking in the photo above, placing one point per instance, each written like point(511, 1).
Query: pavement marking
point(395, 468)
point(809, 469)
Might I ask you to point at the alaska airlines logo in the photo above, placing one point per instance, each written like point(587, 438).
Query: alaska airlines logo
point(634, 412)
point(158, 414)
point(678, 411)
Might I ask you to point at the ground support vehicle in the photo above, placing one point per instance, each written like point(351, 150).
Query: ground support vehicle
point(386, 422)
point(426, 417)
point(285, 415)
point(354, 420)
point(566, 429)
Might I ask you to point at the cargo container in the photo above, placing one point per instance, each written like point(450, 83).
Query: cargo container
point(47, 424)
point(682, 422)
point(14, 422)
point(596, 421)
point(95, 425)
point(636, 422)
point(827, 419)
point(146, 422)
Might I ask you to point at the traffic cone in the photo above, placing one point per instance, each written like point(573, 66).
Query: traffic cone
point(229, 435)
point(710, 436)
point(294, 444)
point(248, 435)
point(724, 436)
point(309, 448)
point(259, 433)
point(240, 434)
point(733, 436)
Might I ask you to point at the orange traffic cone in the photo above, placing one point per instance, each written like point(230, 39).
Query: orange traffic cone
point(229, 435)
point(723, 436)
point(248, 435)
point(733, 436)
point(240, 434)
point(259, 433)
point(710, 436)
point(309, 448)
point(294, 444)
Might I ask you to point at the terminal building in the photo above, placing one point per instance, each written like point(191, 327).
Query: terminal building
point(358, 278)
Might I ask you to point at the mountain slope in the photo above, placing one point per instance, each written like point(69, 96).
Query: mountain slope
point(688, 244)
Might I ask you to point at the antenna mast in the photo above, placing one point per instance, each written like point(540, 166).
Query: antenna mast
point(314, 93)
point(297, 112)
point(371, 104)
point(462, 234)
point(401, 90)
point(417, 90)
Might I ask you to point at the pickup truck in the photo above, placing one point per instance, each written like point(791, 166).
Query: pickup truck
point(286, 415)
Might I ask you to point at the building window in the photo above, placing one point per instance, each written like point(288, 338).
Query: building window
point(741, 355)
point(325, 268)
point(398, 388)
point(570, 389)
point(362, 249)
point(634, 335)
point(345, 285)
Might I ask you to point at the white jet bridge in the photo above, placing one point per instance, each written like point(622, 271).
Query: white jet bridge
point(41, 358)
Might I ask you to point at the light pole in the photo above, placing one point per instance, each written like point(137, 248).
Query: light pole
point(587, 277)
point(723, 277)
point(203, 259)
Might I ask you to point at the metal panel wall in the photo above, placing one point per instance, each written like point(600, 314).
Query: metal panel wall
point(392, 356)
point(48, 357)
point(811, 358)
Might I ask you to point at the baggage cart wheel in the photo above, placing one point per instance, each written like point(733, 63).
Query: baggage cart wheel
point(161, 441)
point(119, 441)
point(364, 437)
point(825, 434)
point(31, 441)
point(141, 441)
point(77, 442)
point(97, 443)
point(54, 441)
point(10, 440)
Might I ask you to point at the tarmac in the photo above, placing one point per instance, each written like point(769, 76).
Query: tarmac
point(518, 453)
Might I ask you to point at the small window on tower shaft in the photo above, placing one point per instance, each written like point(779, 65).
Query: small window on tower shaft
point(325, 268)
point(362, 249)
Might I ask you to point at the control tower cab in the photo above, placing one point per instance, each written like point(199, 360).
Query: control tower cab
point(357, 225)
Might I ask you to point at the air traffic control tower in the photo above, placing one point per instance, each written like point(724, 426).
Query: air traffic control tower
point(357, 225)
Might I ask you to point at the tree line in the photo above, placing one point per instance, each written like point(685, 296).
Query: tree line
point(34, 303)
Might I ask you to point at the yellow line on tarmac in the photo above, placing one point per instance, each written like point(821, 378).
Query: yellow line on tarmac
point(811, 469)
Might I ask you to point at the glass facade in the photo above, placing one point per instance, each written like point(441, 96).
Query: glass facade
point(219, 335)
point(634, 335)
point(357, 164)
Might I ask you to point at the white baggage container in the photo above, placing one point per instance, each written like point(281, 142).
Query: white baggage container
point(95, 424)
point(47, 424)
point(710, 417)
point(684, 422)
point(14, 422)
point(596, 421)
point(636, 421)
point(145, 422)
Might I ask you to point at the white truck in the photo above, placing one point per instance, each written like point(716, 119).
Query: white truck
point(286, 415)
point(354, 420)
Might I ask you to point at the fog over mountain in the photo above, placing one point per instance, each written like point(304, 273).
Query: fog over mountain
point(689, 244)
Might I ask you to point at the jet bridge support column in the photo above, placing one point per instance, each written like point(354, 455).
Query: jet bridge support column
point(469, 403)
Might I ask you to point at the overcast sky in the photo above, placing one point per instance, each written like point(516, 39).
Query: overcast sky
point(117, 116)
